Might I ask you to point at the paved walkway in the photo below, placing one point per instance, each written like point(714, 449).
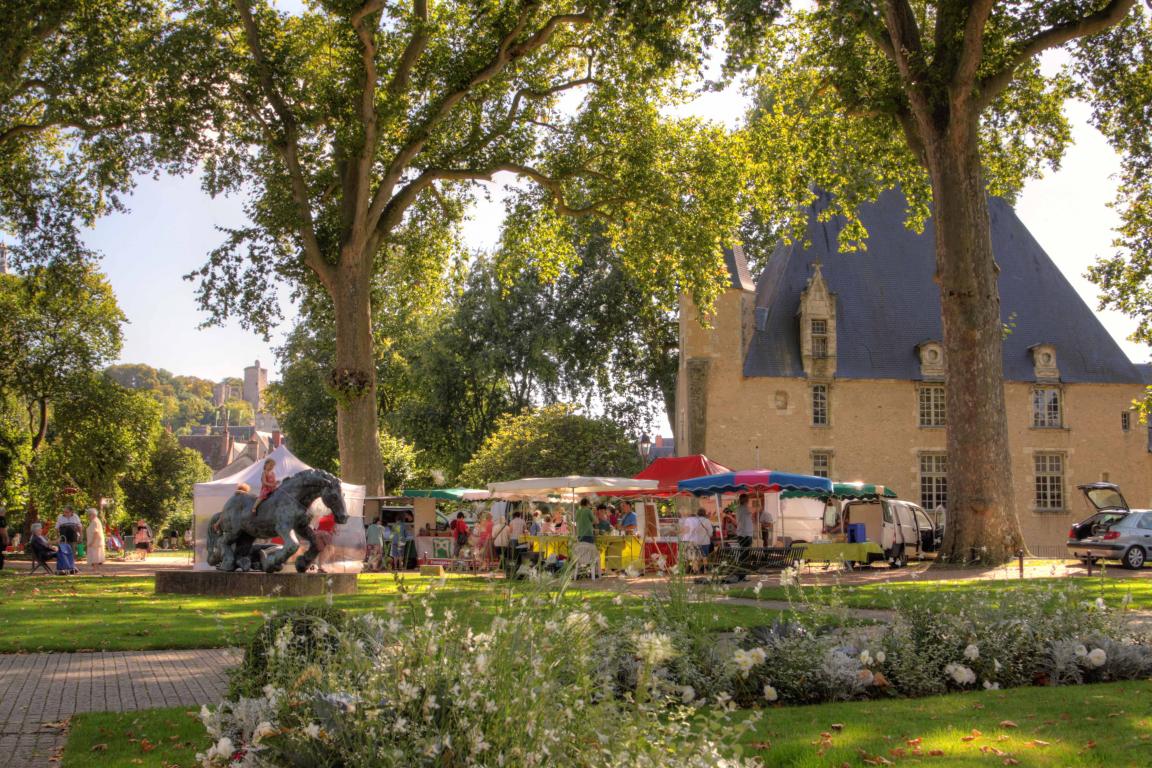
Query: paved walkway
point(40, 691)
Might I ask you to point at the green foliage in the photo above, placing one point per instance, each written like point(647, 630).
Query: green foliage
point(310, 633)
point(552, 441)
point(103, 432)
point(15, 454)
point(160, 488)
point(184, 400)
point(57, 324)
point(72, 97)
point(401, 462)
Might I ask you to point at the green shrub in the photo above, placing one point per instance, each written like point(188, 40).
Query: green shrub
point(310, 632)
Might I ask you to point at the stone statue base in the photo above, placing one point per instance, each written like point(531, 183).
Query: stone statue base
point(254, 583)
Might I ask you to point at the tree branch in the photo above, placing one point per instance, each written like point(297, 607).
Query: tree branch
point(288, 147)
point(507, 51)
point(972, 47)
point(363, 168)
point(992, 86)
point(412, 51)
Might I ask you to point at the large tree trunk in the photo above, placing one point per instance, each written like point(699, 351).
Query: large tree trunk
point(982, 521)
point(354, 381)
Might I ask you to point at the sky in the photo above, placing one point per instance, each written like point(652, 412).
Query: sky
point(172, 225)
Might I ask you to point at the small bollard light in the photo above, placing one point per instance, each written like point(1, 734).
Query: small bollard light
point(1020, 556)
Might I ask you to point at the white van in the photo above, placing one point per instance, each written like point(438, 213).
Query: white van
point(901, 528)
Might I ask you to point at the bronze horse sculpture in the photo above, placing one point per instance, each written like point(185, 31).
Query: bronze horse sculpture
point(233, 530)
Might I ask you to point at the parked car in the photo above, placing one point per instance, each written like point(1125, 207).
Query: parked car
point(902, 529)
point(1114, 532)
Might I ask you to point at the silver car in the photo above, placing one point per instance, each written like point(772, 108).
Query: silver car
point(1115, 532)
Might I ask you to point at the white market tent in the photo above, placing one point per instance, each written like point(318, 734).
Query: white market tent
point(568, 487)
point(348, 544)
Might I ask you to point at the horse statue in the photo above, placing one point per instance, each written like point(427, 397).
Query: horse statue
point(232, 530)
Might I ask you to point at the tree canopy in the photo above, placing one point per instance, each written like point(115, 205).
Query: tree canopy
point(552, 441)
point(948, 102)
point(359, 131)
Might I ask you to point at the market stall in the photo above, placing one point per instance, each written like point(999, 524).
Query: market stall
point(617, 552)
point(435, 547)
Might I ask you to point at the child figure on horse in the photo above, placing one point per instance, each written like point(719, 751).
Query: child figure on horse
point(268, 483)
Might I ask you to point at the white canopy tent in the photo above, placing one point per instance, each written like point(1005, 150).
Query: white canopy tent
point(348, 543)
point(568, 487)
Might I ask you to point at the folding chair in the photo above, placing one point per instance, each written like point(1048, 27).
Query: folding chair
point(41, 562)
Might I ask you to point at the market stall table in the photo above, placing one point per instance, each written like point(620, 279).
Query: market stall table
point(866, 552)
point(616, 552)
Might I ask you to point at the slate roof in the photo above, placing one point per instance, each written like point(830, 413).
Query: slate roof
point(738, 274)
point(887, 303)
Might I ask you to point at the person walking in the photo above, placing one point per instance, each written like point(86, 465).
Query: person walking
point(460, 532)
point(142, 539)
point(95, 539)
point(745, 523)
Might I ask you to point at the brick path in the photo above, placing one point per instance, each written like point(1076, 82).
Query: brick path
point(41, 690)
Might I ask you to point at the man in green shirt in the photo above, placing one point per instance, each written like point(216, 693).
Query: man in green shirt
point(585, 522)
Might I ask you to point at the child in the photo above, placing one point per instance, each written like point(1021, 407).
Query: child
point(268, 483)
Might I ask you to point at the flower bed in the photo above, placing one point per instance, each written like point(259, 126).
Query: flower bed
point(552, 682)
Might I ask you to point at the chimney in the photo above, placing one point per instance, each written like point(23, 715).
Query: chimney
point(277, 439)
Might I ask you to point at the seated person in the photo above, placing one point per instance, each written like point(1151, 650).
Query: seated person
point(628, 518)
point(38, 545)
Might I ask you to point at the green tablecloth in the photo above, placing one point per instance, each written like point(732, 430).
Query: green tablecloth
point(838, 552)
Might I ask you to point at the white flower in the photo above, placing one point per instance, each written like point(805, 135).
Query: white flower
point(1100, 603)
point(881, 657)
point(991, 686)
point(789, 577)
point(1080, 651)
point(770, 693)
point(1097, 657)
point(866, 658)
point(481, 663)
point(224, 747)
point(997, 665)
point(960, 674)
point(687, 694)
point(654, 647)
point(618, 600)
point(756, 590)
point(746, 660)
point(264, 729)
point(972, 652)
point(312, 731)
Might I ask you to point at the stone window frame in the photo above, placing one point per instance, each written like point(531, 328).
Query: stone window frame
point(933, 480)
point(1042, 411)
point(826, 456)
point(820, 416)
point(1049, 473)
point(933, 408)
point(818, 333)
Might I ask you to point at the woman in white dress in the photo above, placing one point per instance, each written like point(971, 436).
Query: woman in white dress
point(95, 539)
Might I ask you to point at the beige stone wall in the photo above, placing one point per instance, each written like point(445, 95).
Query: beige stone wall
point(874, 435)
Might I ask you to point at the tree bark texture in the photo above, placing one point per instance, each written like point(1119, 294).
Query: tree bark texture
point(982, 520)
point(354, 381)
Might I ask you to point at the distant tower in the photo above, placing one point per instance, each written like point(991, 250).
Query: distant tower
point(4, 259)
point(255, 379)
point(221, 393)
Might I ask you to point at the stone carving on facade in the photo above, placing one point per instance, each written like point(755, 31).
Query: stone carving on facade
point(932, 365)
point(1044, 362)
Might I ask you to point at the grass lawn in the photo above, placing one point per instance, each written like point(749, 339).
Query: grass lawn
point(123, 613)
point(165, 738)
point(1089, 725)
point(885, 595)
point(1092, 725)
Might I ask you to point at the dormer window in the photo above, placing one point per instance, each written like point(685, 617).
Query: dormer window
point(818, 327)
point(819, 338)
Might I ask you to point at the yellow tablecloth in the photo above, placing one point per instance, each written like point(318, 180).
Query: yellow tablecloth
point(838, 552)
point(616, 552)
